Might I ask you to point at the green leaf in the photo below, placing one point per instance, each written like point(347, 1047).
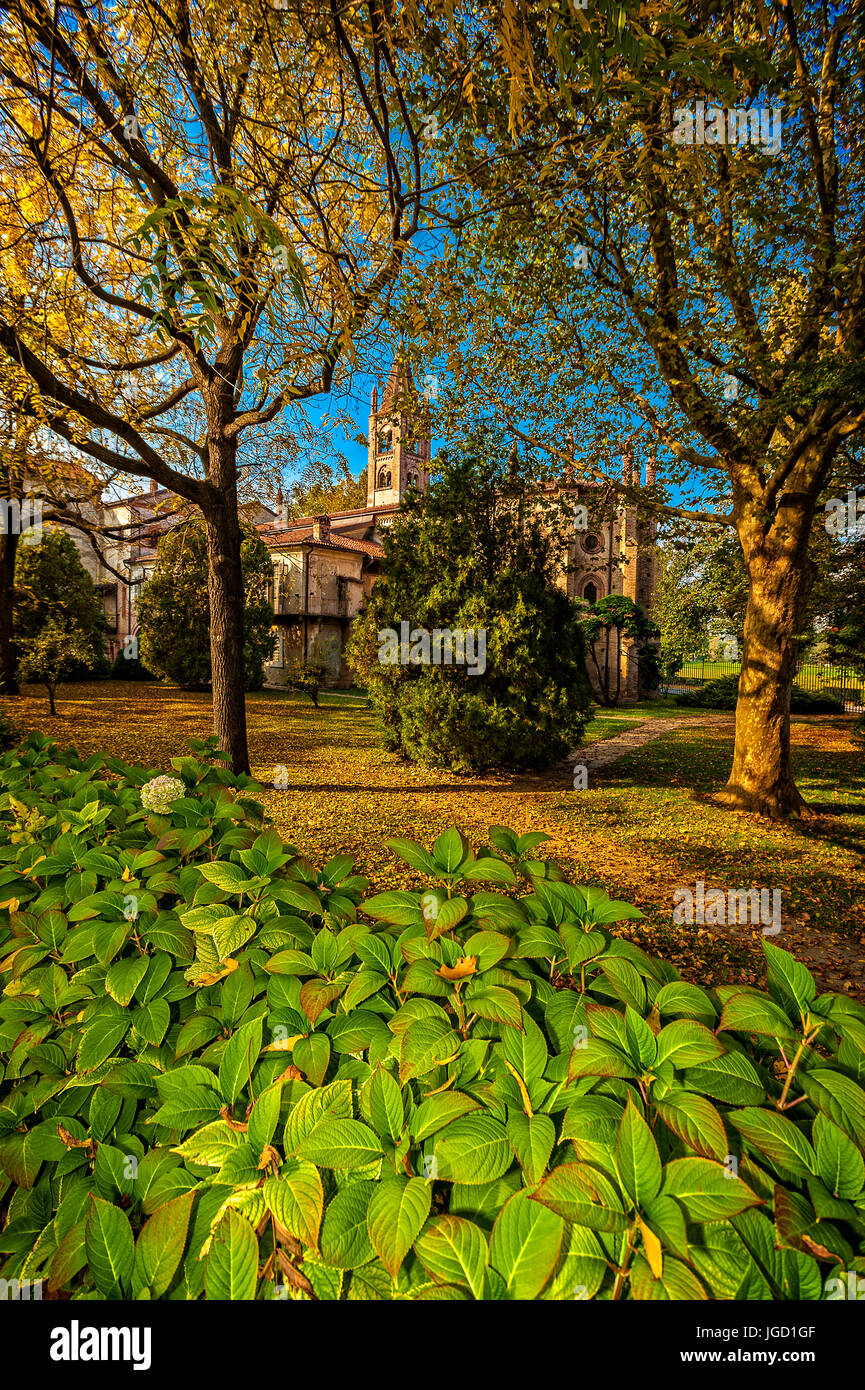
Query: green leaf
point(696, 1121)
point(449, 850)
point(329, 1102)
point(413, 854)
point(496, 1004)
point(296, 1199)
point(340, 1144)
point(124, 976)
point(396, 1213)
point(752, 1013)
point(232, 933)
point(239, 1059)
point(525, 1049)
point(196, 1107)
point(599, 1058)
point(110, 1247)
point(229, 878)
point(231, 1263)
point(100, 1040)
point(473, 1149)
point(437, 1111)
point(777, 1138)
point(582, 1195)
point(312, 1056)
point(637, 1157)
point(838, 1097)
point(454, 1251)
point(642, 1044)
point(707, 1189)
point(731, 1078)
point(264, 1117)
point(161, 1243)
point(345, 1241)
point(684, 999)
point(839, 1162)
point(686, 1043)
point(525, 1245)
point(488, 869)
point(211, 1145)
point(788, 978)
point(426, 1044)
point(400, 909)
point(385, 1105)
point(532, 1138)
point(152, 1021)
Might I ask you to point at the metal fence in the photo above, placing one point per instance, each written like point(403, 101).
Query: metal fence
point(842, 682)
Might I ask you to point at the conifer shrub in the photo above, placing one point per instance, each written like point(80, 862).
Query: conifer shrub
point(229, 1073)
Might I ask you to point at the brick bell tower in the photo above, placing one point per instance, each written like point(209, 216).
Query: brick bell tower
point(399, 439)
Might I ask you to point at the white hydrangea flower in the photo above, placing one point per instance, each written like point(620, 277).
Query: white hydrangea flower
point(159, 793)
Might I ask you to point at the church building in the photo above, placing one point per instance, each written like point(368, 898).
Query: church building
point(324, 566)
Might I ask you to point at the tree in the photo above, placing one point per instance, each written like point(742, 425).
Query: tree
point(218, 202)
point(56, 651)
point(307, 678)
point(468, 573)
point(702, 593)
point(325, 487)
point(52, 586)
point(618, 616)
point(701, 300)
point(174, 608)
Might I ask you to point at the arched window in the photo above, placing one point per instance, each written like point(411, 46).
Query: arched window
point(590, 592)
point(385, 442)
point(383, 478)
point(389, 482)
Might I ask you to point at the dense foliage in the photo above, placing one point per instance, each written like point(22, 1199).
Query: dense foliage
point(607, 621)
point(174, 608)
point(227, 1074)
point(54, 591)
point(54, 654)
point(306, 678)
point(721, 694)
point(476, 553)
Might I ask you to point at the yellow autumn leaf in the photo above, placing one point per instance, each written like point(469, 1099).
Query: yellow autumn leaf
point(652, 1247)
point(466, 965)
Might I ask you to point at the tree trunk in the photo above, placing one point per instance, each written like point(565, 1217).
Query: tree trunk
point(780, 580)
point(225, 591)
point(8, 645)
point(52, 708)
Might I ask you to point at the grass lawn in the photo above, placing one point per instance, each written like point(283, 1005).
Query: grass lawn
point(644, 826)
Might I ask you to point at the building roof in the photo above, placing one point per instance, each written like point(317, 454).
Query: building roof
point(302, 535)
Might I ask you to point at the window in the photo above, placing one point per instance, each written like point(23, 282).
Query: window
point(383, 478)
point(109, 603)
point(590, 592)
point(591, 542)
point(385, 442)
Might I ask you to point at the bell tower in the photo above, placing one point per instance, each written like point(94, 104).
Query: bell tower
point(399, 439)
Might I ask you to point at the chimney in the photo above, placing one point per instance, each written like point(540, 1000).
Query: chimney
point(637, 476)
point(651, 465)
point(374, 399)
point(627, 468)
point(321, 528)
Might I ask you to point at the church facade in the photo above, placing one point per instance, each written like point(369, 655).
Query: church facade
point(324, 566)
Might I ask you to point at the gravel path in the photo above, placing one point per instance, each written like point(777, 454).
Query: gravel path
point(607, 750)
